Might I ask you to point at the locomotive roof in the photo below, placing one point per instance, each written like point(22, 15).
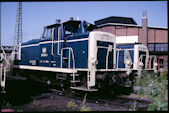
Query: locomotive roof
point(75, 25)
point(52, 26)
point(72, 24)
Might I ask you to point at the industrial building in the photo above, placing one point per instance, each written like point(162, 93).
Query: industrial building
point(126, 30)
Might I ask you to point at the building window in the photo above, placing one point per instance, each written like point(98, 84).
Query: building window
point(161, 47)
point(151, 47)
point(160, 63)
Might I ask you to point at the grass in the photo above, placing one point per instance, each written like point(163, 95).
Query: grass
point(36, 103)
point(85, 108)
point(71, 106)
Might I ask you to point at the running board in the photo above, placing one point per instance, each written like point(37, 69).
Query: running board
point(82, 88)
point(40, 68)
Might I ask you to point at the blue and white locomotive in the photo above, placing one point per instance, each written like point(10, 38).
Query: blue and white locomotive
point(86, 59)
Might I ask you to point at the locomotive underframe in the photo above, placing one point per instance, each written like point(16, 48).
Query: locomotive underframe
point(60, 80)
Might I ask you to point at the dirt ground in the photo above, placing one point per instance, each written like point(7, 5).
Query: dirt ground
point(60, 103)
point(28, 96)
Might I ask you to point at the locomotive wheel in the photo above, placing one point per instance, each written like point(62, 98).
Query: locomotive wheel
point(105, 86)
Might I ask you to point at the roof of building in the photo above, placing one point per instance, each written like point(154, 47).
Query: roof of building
point(129, 25)
point(116, 19)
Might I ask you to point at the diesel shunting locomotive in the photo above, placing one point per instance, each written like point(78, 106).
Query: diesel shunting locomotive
point(73, 55)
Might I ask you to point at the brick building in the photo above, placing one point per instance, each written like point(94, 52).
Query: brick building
point(127, 31)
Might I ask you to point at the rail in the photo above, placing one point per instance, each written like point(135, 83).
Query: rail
point(70, 51)
point(52, 48)
point(109, 49)
point(152, 62)
point(58, 48)
point(126, 56)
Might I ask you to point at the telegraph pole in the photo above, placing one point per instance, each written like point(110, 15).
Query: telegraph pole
point(18, 28)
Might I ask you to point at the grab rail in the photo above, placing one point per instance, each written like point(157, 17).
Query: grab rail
point(58, 48)
point(70, 49)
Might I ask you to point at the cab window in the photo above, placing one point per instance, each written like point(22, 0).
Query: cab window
point(47, 33)
point(71, 27)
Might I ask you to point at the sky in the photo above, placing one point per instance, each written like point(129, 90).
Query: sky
point(36, 15)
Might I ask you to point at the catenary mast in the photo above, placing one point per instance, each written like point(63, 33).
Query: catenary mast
point(18, 28)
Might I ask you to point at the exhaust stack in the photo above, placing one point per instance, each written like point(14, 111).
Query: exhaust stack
point(144, 29)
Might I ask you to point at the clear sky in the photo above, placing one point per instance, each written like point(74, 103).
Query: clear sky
point(36, 15)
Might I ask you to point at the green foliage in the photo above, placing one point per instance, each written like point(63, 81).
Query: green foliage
point(71, 105)
point(84, 108)
point(144, 80)
point(132, 108)
point(36, 103)
point(158, 105)
point(19, 110)
point(8, 105)
point(157, 89)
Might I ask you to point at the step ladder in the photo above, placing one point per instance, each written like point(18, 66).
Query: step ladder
point(73, 75)
point(83, 88)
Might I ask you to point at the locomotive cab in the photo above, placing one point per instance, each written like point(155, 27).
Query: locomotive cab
point(73, 28)
point(49, 30)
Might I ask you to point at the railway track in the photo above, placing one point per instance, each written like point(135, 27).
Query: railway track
point(127, 103)
point(123, 102)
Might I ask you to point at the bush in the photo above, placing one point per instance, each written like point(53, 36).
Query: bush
point(144, 80)
point(157, 89)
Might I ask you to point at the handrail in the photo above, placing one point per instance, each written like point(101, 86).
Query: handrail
point(107, 58)
point(58, 52)
point(117, 64)
point(52, 52)
point(70, 49)
point(118, 50)
point(154, 61)
point(107, 55)
point(126, 52)
point(140, 60)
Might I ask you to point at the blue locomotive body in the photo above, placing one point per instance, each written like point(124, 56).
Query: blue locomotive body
point(46, 52)
point(38, 52)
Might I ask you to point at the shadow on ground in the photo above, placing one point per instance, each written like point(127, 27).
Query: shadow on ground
point(20, 91)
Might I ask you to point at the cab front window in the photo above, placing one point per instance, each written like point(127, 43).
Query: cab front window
point(47, 33)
